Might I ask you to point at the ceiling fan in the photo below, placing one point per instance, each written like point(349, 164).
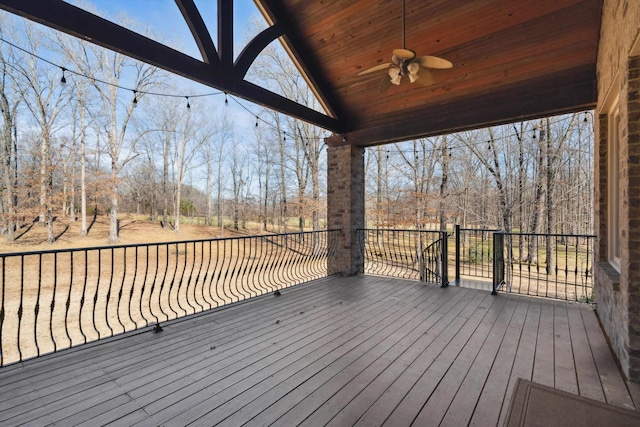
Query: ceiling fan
point(404, 62)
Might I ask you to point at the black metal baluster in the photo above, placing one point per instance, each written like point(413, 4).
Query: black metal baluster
point(172, 280)
point(204, 300)
point(122, 282)
point(223, 280)
point(144, 286)
point(206, 274)
point(181, 280)
point(20, 305)
point(2, 312)
point(106, 311)
point(153, 287)
point(95, 296)
point(235, 271)
point(133, 287)
point(36, 311)
point(82, 298)
point(215, 278)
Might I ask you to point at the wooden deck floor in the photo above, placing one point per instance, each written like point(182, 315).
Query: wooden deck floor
point(338, 351)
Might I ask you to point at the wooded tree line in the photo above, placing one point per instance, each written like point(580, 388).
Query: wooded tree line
point(533, 177)
point(104, 142)
point(96, 138)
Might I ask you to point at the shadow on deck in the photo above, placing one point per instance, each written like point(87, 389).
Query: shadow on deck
point(336, 351)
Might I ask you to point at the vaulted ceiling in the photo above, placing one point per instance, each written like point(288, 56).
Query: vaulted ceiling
point(512, 59)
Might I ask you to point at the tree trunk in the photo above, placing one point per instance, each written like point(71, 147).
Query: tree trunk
point(443, 185)
point(113, 216)
point(83, 180)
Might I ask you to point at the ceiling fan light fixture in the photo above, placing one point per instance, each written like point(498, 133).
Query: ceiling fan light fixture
point(404, 62)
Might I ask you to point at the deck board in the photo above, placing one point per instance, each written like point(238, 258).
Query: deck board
point(525, 354)
point(436, 336)
point(588, 384)
point(338, 351)
point(462, 406)
point(615, 390)
point(487, 409)
point(564, 367)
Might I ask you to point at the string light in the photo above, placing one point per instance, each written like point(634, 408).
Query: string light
point(561, 119)
point(135, 92)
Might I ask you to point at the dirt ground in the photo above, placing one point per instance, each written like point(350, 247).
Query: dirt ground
point(133, 230)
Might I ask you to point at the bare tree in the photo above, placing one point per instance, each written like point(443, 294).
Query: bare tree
point(108, 72)
point(45, 98)
point(192, 136)
point(262, 165)
point(11, 96)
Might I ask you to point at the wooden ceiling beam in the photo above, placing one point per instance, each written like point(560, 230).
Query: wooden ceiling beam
point(302, 55)
point(199, 31)
point(72, 20)
point(509, 105)
point(254, 47)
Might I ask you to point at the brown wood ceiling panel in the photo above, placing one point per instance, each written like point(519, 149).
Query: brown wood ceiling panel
point(537, 61)
point(496, 46)
point(522, 55)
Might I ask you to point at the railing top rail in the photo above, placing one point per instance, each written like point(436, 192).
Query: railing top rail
point(175, 242)
point(512, 233)
point(412, 230)
point(550, 234)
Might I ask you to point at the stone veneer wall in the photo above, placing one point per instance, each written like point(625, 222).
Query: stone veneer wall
point(345, 205)
point(618, 294)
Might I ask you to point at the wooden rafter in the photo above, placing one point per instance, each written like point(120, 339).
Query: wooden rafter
point(72, 20)
point(199, 31)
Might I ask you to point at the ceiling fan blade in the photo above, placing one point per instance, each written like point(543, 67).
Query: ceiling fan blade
point(384, 84)
point(425, 77)
point(434, 62)
point(375, 68)
point(406, 54)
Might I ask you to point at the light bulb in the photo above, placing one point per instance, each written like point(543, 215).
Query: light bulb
point(393, 72)
point(413, 77)
point(396, 80)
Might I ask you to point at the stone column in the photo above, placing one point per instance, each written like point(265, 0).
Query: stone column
point(345, 205)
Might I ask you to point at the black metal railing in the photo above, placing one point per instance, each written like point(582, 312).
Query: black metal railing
point(558, 266)
point(55, 299)
point(411, 254)
point(555, 266)
point(474, 252)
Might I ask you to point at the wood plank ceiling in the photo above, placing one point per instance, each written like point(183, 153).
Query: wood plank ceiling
point(512, 59)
